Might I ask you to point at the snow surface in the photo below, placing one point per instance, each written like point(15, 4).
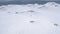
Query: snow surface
point(30, 19)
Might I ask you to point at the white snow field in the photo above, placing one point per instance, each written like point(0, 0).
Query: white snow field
point(30, 19)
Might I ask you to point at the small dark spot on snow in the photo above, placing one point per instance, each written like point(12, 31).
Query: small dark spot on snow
point(21, 12)
point(32, 21)
point(30, 15)
point(31, 11)
point(56, 24)
point(56, 5)
point(2, 7)
point(16, 12)
point(9, 12)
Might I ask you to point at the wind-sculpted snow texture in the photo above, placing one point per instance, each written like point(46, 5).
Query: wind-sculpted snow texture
point(30, 19)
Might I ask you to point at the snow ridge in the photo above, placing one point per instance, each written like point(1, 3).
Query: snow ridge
point(50, 4)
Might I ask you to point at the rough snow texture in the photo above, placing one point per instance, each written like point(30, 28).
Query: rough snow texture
point(30, 19)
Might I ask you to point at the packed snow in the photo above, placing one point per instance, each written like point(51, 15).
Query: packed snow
point(30, 19)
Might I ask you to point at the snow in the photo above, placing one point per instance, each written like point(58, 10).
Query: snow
point(16, 19)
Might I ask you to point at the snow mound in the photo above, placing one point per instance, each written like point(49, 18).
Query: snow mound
point(52, 4)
